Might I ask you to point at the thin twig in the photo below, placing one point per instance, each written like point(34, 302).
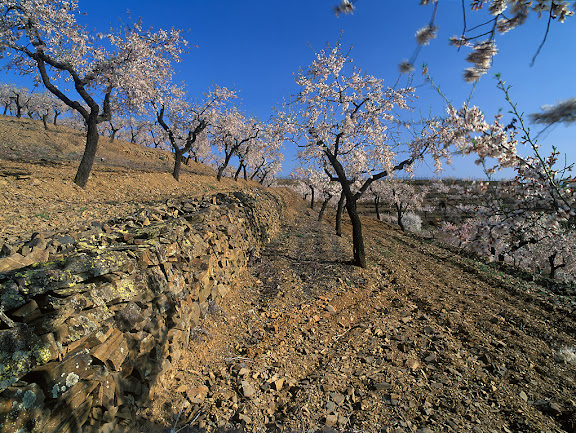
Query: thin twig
point(463, 19)
point(471, 92)
point(178, 417)
point(543, 40)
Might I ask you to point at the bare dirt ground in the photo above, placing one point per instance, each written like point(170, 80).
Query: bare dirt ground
point(423, 340)
point(37, 168)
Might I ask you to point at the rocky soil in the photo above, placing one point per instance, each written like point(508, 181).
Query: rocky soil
point(423, 340)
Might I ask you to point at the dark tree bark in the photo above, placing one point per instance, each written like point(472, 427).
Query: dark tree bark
point(263, 177)
point(233, 149)
point(114, 132)
point(45, 121)
point(19, 104)
point(400, 210)
point(85, 167)
point(223, 166)
point(377, 206)
point(312, 199)
point(352, 198)
point(189, 141)
point(113, 135)
point(357, 237)
point(133, 135)
point(178, 155)
point(92, 116)
point(238, 172)
point(323, 208)
point(339, 211)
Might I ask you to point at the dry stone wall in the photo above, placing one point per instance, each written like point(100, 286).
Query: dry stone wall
point(85, 333)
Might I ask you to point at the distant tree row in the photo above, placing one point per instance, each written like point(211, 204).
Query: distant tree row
point(349, 129)
point(216, 134)
point(19, 101)
point(471, 215)
point(352, 130)
point(111, 81)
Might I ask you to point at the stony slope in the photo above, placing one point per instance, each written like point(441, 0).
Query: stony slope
point(423, 340)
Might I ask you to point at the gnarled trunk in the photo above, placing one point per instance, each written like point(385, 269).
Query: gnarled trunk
point(223, 167)
point(178, 155)
point(357, 238)
point(85, 167)
point(323, 208)
point(339, 211)
point(554, 267)
point(238, 172)
point(399, 215)
point(312, 199)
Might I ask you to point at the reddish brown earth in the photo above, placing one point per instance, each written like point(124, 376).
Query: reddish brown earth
point(423, 340)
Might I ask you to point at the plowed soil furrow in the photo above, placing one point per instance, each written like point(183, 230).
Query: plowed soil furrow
point(422, 340)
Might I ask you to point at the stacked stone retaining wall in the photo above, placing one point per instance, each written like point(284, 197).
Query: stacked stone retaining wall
point(85, 333)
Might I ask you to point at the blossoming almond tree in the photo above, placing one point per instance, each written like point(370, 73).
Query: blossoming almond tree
point(40, 104)
point(112, 127)
point(265, 164)
point(403, 196)
point(346, 117)
point(262, 157)
point(5, 98)
point(44, 39)
point(184, 122)
point(326, 189)
point(231, 132)
point(18, 97)
point(540, 203)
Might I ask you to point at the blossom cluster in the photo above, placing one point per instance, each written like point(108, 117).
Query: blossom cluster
point(527, 220)
point(345, 7)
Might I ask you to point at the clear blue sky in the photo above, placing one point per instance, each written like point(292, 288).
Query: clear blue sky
point(255, 47)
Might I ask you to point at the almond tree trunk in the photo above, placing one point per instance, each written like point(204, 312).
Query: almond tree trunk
point(178, 155)
point(357, 237)
point(312, 199)
point(85, 167)
point(323, 208)
point(339, 211)
point(351, 207)
point(399, 215)
point(553, 266)
point(223, 167)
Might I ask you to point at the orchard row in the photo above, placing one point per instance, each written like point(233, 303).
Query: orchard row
point(351, 130)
